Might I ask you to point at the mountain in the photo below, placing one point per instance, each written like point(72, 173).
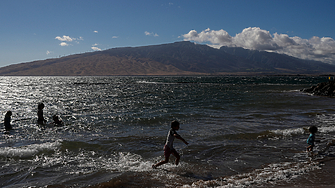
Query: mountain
point(179, 58)
point(279, 62)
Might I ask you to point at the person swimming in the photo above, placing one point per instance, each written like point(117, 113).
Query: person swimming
point(57, 122)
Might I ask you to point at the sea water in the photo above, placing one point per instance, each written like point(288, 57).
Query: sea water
point(242, 131)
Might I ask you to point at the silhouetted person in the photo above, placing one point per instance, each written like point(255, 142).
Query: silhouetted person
point(311, 138)
point(168, 148)
point(7, 120)
point(40, 117)
point(57, 122)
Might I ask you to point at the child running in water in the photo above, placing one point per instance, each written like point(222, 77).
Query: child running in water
point(311, 138)
point(168, 148)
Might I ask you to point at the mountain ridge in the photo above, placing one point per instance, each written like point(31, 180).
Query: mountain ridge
point(179, 58)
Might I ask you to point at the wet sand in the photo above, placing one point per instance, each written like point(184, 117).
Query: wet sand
point(322, 178)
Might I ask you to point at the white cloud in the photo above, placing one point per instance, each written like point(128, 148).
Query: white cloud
point(319, 49)
point(115, 37)
point(95, 31)
point(151, 34)
point(63, 44)
point(49, 52)
point(95, 48)
point(255, 39)
point(215, 37)
point(65, 38)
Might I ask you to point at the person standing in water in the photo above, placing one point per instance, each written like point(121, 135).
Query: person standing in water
point(168, 148)
point(7, 120)
point(311, 138)
point(40, 118)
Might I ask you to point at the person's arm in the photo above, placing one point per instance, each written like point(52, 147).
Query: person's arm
point(180, 138)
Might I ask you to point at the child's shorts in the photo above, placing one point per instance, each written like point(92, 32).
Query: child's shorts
point(168, 151)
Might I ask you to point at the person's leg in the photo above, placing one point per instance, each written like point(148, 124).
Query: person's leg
point(175, 153)
point(162, 162)
point(309, 148)
point(167, 153)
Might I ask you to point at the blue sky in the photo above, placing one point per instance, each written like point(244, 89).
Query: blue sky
point(42, 29)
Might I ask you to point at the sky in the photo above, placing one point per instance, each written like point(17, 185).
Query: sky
point(33, 30)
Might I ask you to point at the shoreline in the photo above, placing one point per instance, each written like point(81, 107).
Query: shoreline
point(324, 177)
point(321, 177)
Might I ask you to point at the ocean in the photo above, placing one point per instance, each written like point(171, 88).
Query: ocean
point(242, 131)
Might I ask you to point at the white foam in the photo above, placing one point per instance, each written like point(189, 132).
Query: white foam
point(28, 150)
point(129, 162)
point(271, 174)
point(146, 82)
point(288, 132)
point(326, 129)
point(85, 163)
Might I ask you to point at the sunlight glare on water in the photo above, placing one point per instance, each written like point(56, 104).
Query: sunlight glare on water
point(115, 129)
